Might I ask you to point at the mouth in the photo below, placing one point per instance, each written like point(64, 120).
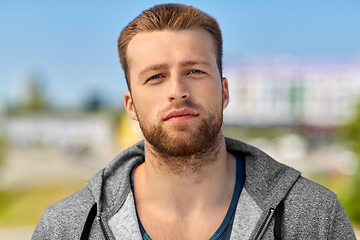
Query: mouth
point(180, 115)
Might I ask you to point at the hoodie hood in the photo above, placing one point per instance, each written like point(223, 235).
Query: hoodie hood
point(111, 185)
point(266, 180)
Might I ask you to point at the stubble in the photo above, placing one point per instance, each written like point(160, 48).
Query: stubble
point(185, 148)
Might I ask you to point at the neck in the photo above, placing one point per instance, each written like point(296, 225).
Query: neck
point(206, 180)
point(179, 168)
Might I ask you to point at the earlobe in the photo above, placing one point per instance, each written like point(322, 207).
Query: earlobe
point(225, 89)
point(129, 106)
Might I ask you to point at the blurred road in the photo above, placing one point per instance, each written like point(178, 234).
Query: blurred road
point(16, 233)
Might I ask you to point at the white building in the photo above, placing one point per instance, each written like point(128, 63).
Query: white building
point(312, 94)
point(93, 132)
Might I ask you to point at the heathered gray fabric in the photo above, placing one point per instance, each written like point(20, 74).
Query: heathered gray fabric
point(246, 216)
point(124, 224)
point(311, 211)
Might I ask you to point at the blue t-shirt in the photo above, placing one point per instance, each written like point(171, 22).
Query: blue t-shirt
point(224, 231)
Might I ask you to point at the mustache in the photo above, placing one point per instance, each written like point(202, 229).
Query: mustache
point(183, 104)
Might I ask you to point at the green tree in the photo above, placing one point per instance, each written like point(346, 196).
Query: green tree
point(350, 134)
point(2, 150)
point(35, 97)
point(32, 98)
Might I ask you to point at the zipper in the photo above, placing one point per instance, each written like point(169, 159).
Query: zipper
point(103, 228)
point(265, 224)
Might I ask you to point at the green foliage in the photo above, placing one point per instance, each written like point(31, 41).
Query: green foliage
point(35, 100)
point(2, 150)
point(351, 204)
point(350, 132)
point(5, 200)
point(350, 135)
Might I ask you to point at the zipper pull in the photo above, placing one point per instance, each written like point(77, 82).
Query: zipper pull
point(103, 227)
point(265, 224)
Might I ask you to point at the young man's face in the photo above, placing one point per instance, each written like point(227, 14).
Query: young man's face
point(176, 90)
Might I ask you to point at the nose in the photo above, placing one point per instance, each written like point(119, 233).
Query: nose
point(177, 89)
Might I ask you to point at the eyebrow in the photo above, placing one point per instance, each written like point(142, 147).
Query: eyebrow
point(154, 67)
point(192, 63)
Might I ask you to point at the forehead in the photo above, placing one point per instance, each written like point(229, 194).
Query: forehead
point(169, 47)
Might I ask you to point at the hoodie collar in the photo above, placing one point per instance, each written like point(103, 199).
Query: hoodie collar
point(266, 180)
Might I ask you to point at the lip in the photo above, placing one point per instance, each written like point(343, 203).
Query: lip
point(181, 113)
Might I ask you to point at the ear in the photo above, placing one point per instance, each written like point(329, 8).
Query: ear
point(129, 106)
point(225, 89)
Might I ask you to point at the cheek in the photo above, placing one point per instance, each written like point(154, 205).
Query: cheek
point(145, 104)
point(216, 99)
point(213, 93)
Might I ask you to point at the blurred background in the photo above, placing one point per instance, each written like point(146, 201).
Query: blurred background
point(293, 71)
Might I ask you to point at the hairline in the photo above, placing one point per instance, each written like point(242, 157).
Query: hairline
point(157, 18)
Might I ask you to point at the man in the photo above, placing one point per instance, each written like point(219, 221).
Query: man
point(185, 180)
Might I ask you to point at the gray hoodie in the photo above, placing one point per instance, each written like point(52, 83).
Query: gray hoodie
point(275, 203)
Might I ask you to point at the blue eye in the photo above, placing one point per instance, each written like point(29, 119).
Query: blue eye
point(155, 77)
point(195, 71)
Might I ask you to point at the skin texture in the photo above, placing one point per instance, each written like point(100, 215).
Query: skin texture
point(184, 187)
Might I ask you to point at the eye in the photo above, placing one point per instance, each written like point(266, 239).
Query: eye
point(196, 71)
point(154, 79)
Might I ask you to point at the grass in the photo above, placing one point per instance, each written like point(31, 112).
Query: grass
point(20, 207)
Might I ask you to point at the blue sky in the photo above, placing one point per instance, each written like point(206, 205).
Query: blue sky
point(71, 45)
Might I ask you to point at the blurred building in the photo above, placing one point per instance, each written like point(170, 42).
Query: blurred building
point(71, 133)
point(317, 94)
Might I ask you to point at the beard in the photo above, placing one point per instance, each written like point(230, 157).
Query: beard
point(184, 147)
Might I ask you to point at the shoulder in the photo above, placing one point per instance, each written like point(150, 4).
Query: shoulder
point(313, 210)
point(310, 200)
point(66, 217)
point(73, 205)
point(307, 190)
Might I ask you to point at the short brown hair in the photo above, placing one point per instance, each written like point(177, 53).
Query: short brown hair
point(173, 17)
